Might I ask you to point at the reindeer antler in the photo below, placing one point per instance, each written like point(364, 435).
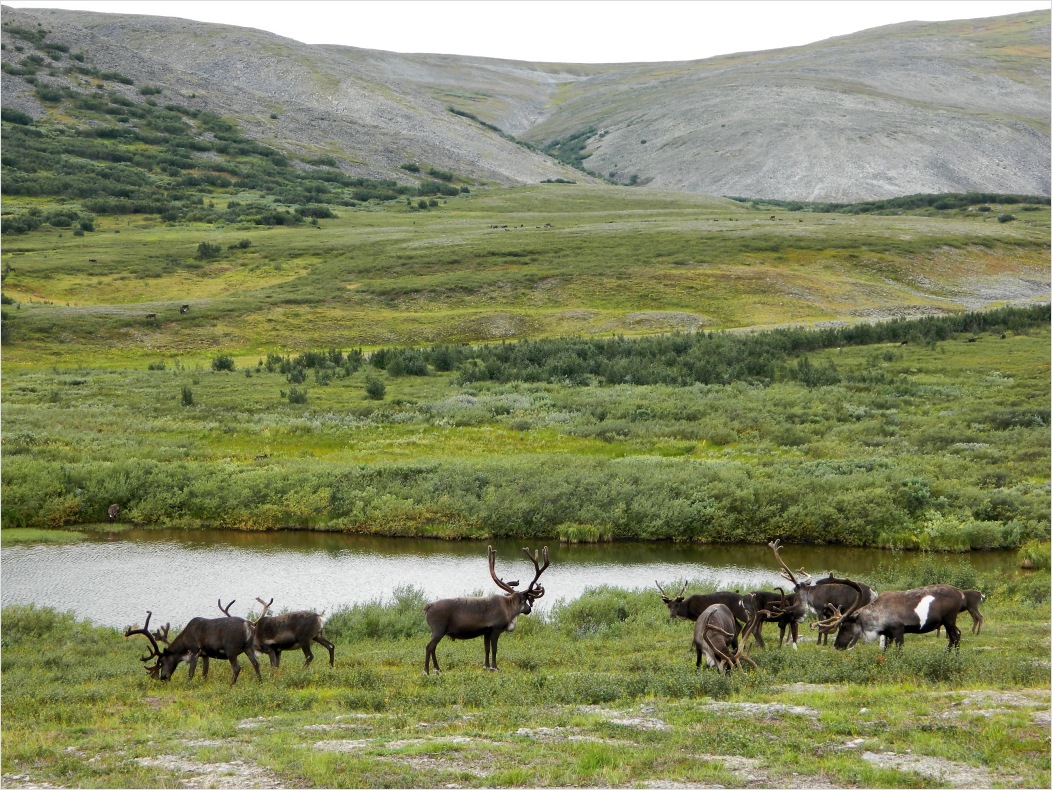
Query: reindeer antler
point(508, 587)
point(145, 631)
point(665, 596)
point(266, 606)
point(225, 610)
point(776, 547)
point(534, 590)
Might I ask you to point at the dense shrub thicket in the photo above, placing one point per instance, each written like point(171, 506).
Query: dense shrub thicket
point(683, 359)
point(940, 202)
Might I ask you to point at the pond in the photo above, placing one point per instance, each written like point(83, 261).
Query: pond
point(113, 579)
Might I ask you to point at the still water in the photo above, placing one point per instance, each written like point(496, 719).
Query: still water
point(113, 580)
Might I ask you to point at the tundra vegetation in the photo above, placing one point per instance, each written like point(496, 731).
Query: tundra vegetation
point(209, 332)
point(601, 691)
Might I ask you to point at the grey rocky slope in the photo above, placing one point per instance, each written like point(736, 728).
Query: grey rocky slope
point(916, 107)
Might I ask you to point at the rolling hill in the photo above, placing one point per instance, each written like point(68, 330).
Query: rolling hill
point(910, 108)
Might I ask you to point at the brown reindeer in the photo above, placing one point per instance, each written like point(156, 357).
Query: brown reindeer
point(222, 637)
point(692, 607)
point(287, 631)
point(896, 613)
point(489, 617)
point(821, 597)
point(716, 639)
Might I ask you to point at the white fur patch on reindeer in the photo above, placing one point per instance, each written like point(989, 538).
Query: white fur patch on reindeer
point(511, 625)
point(923, 608)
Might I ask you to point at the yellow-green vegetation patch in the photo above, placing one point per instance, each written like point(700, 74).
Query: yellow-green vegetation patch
point(22, 535)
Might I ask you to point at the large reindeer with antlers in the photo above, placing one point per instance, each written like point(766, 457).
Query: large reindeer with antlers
point(896, 613)
point(821, 597)
point(221, 637)
point(716, 638)
point(489, 617)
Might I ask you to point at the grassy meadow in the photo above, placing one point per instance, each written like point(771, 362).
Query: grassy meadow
point(547, 260)
point(288, 393)
point(601, 691)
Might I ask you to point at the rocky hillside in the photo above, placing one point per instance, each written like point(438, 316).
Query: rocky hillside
point(910, 108)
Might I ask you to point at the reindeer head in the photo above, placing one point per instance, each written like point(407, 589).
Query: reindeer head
point(675, 602)
point(166, 660)
point(525, 598)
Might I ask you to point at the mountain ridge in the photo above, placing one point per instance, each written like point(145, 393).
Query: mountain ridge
point(903, 109)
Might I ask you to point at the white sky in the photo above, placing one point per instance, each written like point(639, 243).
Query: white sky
point(558, 31)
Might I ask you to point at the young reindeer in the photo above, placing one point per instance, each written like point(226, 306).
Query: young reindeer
point(716, 638)
point(221, 637)
point(290, 630)
point(468, 618)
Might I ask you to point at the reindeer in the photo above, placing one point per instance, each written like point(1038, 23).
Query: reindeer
point(785, 610)
point(716, 638)
point(820, 598)
point(221, 637)
point(113, 511)
point(972, 599)
point(489, 617)
point(286, 631)
point(896, 613)
point(692, 607)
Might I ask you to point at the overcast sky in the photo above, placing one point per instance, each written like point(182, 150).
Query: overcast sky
point(558, 31)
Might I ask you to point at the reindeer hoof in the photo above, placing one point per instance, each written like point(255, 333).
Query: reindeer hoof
point(795, 646)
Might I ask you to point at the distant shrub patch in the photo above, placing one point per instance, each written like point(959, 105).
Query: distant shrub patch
point(222, 362)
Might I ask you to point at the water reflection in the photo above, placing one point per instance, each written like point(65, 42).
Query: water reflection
point(114, 579)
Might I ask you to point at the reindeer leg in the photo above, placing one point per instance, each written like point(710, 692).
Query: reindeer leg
point(307, 652)
point(496, 636)
point(237, 670)
point(192, 665)
point(429, 655)
point(251, 654)
point(321, 640)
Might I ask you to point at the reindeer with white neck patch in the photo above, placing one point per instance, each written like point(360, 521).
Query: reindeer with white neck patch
point(894, 614)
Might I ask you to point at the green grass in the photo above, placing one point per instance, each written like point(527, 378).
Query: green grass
point(614, 261)
point(601, 691)
point(9, 536)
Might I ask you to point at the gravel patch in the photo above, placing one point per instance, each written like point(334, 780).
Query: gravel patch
point(954, 774)
point(233, 774)
point(764, 710)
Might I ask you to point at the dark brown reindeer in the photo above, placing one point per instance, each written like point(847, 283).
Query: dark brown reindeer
point(972, 599)
point(287, 631)
point(716, 638)
point(221, 637)
point(692, 607)
point(489, 617)
point(896, 613)
point(785, 610)
point(820, 598)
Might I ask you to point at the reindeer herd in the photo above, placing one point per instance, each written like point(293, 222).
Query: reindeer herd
point(723, 621)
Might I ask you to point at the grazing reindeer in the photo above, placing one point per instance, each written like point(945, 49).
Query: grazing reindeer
point(286, 631)
point(817, 598)
point(896, 613)
point(222, 637)
point(692, 607)
point(716, 638)
point(113, 511)
point(467, 618)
